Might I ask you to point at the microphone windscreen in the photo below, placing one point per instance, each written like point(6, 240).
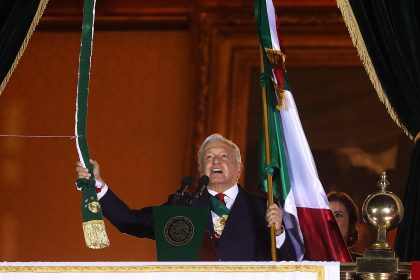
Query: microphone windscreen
point(204, 180)
point(186, 181)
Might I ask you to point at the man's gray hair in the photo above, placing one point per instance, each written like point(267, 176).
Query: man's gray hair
point(218, 138)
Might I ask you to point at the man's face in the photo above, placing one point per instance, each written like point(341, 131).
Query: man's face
point(219, 163)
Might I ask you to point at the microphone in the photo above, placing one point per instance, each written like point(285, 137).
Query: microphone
point(180, 192)
point(202, 184)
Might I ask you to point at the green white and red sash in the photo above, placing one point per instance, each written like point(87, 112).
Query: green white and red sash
point(93, 224)
point(308, 219)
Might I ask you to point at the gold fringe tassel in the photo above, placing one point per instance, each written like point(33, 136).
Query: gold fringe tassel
point(281, 95)
point(95, 234)
point(358, 42)
point(35, 21)
point(277, 58)
point(278, 61)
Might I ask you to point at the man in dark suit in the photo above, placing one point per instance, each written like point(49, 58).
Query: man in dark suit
point(239, 222)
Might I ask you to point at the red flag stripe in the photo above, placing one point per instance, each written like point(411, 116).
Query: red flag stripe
point(321, 235)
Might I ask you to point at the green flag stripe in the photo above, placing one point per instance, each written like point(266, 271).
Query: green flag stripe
point(281, 182)
point(263, 26)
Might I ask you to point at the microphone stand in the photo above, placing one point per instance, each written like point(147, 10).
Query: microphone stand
point(181, 191)
point(202, 184)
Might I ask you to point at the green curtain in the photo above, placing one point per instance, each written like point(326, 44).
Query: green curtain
point(386, 34)
point(18, 19)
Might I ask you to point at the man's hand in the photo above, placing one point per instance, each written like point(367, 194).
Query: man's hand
point(274, 216)
point(83, 172)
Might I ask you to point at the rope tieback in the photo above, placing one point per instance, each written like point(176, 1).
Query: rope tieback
point(270, 169)
point(417, 137)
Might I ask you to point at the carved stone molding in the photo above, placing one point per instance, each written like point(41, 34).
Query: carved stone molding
point(224, 46)
point(216, 36)
point(227, 49)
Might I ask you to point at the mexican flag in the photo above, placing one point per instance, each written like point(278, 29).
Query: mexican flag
point(308, 219)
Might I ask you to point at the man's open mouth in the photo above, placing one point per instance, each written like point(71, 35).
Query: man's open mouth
point(216, 170)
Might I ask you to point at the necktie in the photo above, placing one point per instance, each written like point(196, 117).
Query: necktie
point(221, 220)
point(221, 197)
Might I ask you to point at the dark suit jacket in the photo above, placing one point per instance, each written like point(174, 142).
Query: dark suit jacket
point(244, 238)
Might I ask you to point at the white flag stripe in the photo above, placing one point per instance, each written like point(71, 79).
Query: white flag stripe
point(291, 222)
point(303, 176)
point(271, 13)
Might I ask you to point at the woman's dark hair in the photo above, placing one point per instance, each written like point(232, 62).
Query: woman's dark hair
point(351, 207)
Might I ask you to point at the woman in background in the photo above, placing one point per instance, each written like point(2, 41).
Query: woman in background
point(346, 214)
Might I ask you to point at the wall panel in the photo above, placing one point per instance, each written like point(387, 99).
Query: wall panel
point(139, 121)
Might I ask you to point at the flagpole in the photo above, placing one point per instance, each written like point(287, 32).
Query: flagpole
point(268, 161)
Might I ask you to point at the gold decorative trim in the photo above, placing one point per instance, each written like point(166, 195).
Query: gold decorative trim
point(318, 269)
point(417, 137)
point(37, 16)
point(357, 39)
point(277, 58)
point(94, 207)
point(95, 234)
point(281, 94)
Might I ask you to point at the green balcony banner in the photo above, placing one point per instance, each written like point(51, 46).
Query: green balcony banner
point(179, 232)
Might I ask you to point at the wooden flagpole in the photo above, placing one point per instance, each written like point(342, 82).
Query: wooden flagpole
point(270, 194)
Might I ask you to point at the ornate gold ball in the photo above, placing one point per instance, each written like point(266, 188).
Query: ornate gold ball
point(383, 210)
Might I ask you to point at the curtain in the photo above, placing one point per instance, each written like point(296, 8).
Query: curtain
point(18, 19)
point(386, 35)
